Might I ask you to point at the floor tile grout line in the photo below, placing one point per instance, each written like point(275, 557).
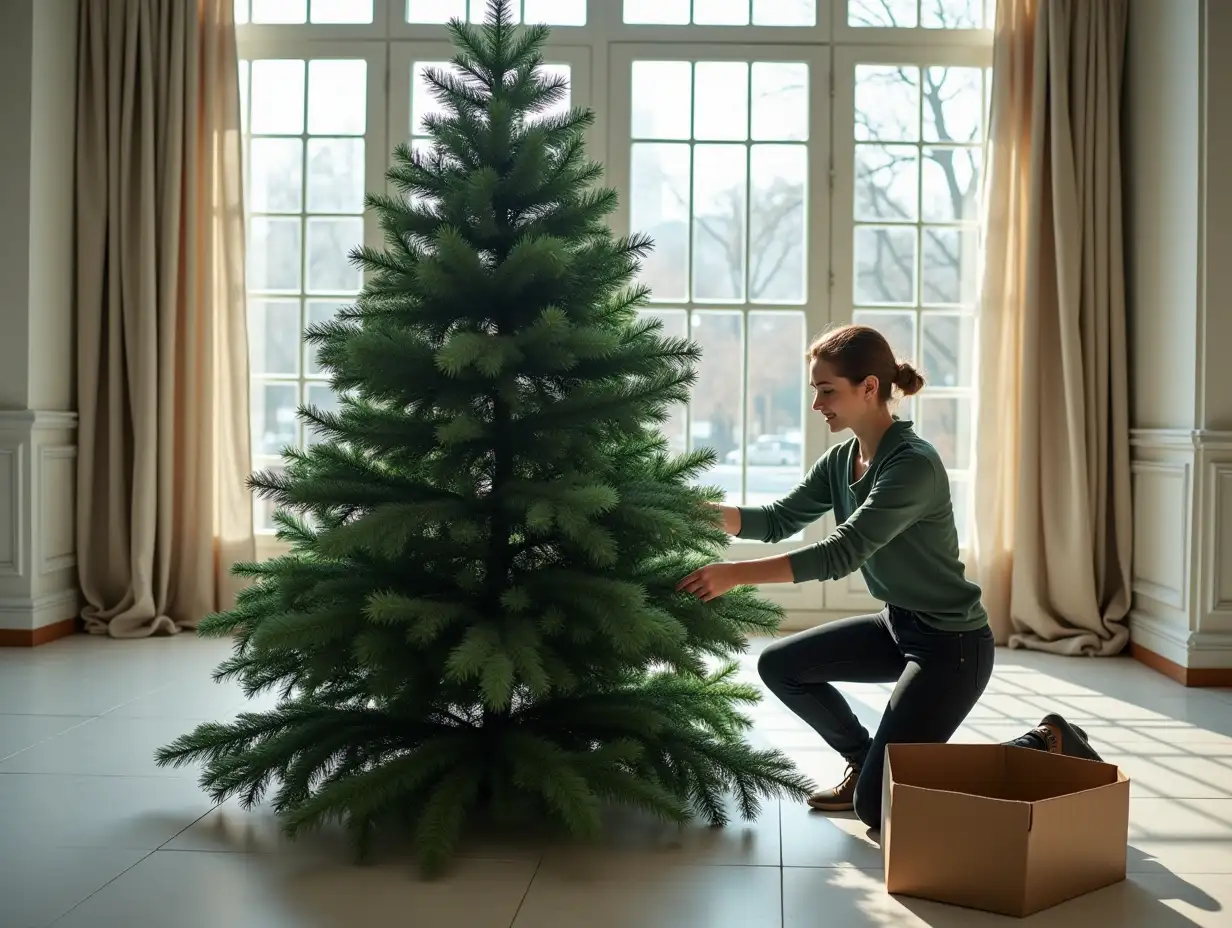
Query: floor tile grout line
point(530, 883)
point(210, 811)
point(782, 873)
point(59, 918)
point(85, 721)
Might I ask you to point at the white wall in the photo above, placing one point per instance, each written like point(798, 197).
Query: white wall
point(1178, 141)
point(16, 104)
point(38, 40)
point(52, 360)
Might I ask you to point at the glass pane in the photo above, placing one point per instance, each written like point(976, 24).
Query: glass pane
point(275, 175)
point(951, 184)
point(947, 340)
point(897, 327)
point(274, 422)
point(341, 11)
point(784, 12)
point(780, 102)
point(263, 509)
point(716, 403)
point(274, 336)
point(887, 183)
point(323, 397)
point(274, 255)
point(423, 97)
point(435, 11)
point(721, 12)
point(556, 12)
point(949, 267)
point(244, 69)
point(946, 422)
point(777, 379)
point(882, 13)
point(662, 99)
point(659, 207)
point(241, 12)
point(675, 325)
point(317, 311)
point(778, 231)
point(337, 97)
point(277, 97)
point(279, 11)
point(551, 72)
point(335, 175)
point(952, 14)
point(887, 103)
point(720, 178)
point(885, 265)
point(330, 242)
point(953, 104)
point(657, 12)
point(721, 105)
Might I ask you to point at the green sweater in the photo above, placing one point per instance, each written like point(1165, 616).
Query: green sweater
point(896, 525)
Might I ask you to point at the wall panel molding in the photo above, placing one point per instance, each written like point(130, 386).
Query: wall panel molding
point(1182, 572)
point(39, 597)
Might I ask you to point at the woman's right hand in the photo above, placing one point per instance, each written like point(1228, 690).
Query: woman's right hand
point(731, 517)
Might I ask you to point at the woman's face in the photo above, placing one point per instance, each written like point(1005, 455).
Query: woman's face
point(842, 402)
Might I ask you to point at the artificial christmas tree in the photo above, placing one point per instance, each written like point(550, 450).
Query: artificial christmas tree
point(480, 610)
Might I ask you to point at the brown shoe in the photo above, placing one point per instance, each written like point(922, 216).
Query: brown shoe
point(1057, 736)
point(839, 799)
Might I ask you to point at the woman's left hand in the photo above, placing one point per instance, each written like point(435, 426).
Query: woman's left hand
point(711, 581)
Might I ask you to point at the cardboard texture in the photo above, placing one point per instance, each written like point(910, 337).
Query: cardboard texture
point(1004, 829)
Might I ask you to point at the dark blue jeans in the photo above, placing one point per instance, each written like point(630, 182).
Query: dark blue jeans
point(940, 675)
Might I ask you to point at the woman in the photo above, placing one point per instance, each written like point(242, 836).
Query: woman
point(890, 495)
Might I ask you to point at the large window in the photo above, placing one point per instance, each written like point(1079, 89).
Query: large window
point(717, 154)
point(797, 162)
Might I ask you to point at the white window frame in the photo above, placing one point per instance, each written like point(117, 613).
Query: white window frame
point(911, 36)
point(269, 47)
point(600, 54)
point(851, 593)
point(797, 597)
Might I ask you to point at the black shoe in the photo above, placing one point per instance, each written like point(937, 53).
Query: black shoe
point(1057, 736)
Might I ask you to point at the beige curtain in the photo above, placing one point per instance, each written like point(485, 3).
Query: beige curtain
point(1052, 512)
point(163, 511)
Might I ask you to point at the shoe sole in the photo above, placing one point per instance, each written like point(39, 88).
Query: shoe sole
point(822, 806)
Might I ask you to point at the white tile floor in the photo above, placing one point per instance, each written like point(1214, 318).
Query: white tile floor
point(93, 835)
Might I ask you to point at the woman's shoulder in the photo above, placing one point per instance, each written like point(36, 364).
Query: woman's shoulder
point(916, 459)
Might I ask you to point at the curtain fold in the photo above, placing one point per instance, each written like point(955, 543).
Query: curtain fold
point(163, 508)
point(1052, 510)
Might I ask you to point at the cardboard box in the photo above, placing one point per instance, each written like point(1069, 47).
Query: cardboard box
point(999, 828)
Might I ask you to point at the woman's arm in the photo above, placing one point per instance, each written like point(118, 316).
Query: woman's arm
point(903, 491)
point(714, 580)
point(803, 506)
point(731, 518)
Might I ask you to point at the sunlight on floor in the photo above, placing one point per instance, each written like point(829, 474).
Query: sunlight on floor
point(96, 836)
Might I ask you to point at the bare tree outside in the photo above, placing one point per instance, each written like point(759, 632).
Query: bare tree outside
point(727, 210)
point(929, 14)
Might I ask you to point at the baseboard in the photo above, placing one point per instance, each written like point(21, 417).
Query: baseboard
point(33, 637)
point(30, 622)
point(1186, 676)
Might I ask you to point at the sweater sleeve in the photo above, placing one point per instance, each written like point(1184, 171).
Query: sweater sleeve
point(901, 494)
point(803, 506)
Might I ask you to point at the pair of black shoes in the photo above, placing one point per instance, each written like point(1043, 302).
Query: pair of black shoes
point(1057, 736)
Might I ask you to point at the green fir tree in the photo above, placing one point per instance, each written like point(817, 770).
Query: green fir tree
point(478, 614)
